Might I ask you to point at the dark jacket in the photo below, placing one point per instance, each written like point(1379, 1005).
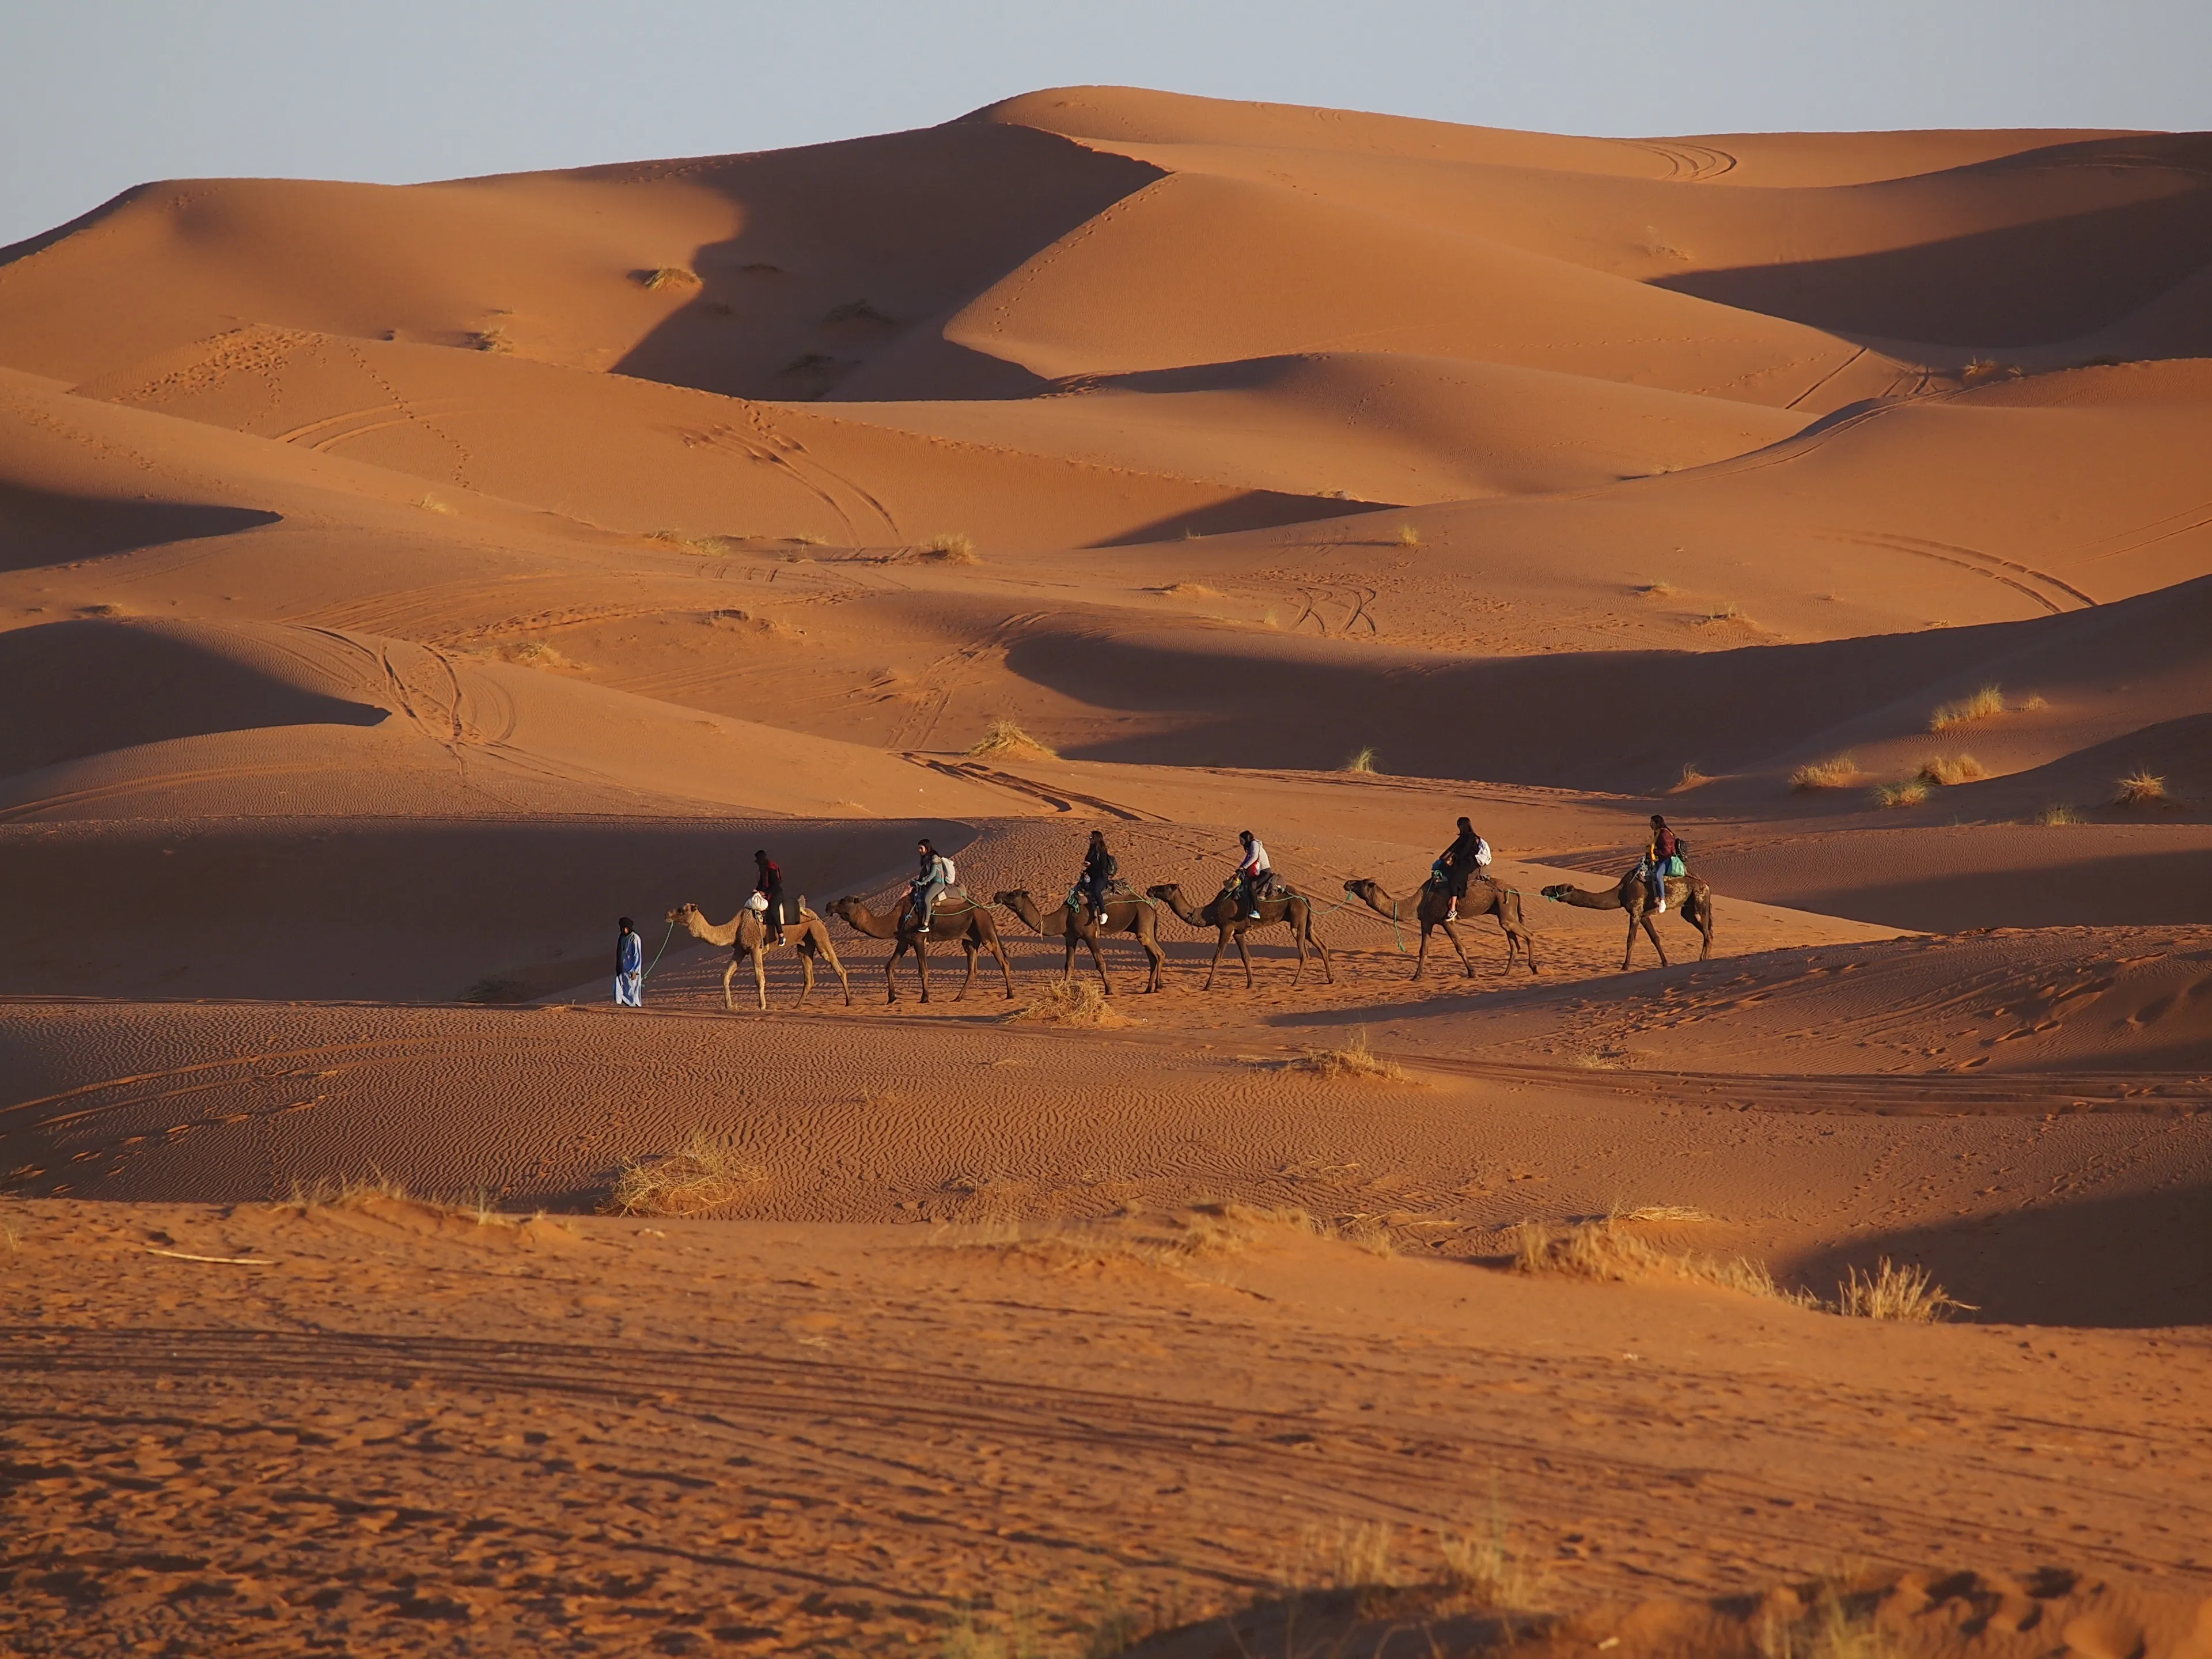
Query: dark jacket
point(1460, 855)
point(1100, 866)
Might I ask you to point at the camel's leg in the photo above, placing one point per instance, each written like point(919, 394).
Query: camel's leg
point(836, 966)
point(921, 967)
point(1421, 956)
point(1643, 919)
point(806, 954)
point(1451, 934)
point(1328, 968)
point(1006, 967)
point(967, 945)
point(1067, 968)
point(760, 978)
point(891, 980)
point(1220, 943)
point(1098, 959)
point(1244, 956)
point(1155, 958)
point(729, 974)
point(1704, 921)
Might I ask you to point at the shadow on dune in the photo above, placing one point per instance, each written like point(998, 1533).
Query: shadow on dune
point(2140, 1261)
point(852, 256)
point(2132, 888)
point(1249, 699)
point(38, 527)
point(106, 685)
point(2037, 283)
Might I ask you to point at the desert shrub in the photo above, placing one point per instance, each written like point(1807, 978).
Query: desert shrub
point(1070, 1002)
point(665, 276)
point(1408, 536)
point(1364, 761)
point(1836, 772)
point(950, 547)
point(700, 1175)
point(1354, 1061)
point(2142, 788)
point(1605, 1250)
point(1911, 793)
point(1189, 590)
point(1985, 704)
point(1941, 771)
point(1004, 736)
point(1656, 590)
point(1691, 778)
point(2057, 813)
point(1893, 1292)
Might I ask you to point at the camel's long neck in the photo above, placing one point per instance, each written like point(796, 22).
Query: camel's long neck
point(873, 926)
point(1181, 907)
point(1384, 904)
point(703, 929)
point(1583, 899)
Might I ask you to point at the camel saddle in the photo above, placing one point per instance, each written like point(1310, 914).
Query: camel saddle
point(1078, 895)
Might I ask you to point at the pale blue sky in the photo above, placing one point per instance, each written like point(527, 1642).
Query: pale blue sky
point(99, 94)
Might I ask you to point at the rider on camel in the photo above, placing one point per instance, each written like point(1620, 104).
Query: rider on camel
point(1460, 863)
point(1253, 874)
point(1099, 870)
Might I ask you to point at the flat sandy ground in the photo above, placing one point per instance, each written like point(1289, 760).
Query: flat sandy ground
point(398, 584)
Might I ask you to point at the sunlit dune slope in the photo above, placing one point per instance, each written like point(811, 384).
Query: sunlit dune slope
point(630, 454)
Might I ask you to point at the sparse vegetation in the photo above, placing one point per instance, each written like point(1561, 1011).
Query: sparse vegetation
point(493, 339)
point(532, 654)
point(1482, 1563)
point(1070, 1002)
point(1189, 590)
point(1911, 793)
point(2032, 703)
point(950, 547)
point(2143, 787)
point(1657, 590)
point(1364, 761)
point(1606, 1250)
point(1985, 704)
point(2058, 812)
point(1354, 1062)
point(701, 1175)
point(1691, 778)
point(1940, 771)
point(432, 504)
point(666, 277)
point(1981, 370)
point(1725, 615)
point(1836, 772)
point(1894, 1292)
point(1409, 535)
point(1205, 1232)
point(1003, 737)
point(689, 544)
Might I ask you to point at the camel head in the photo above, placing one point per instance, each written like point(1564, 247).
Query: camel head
point(1023, 906)
point(1167, 892)
point(842, 908)
point(1558, 890)
point(683, 915)
point(1360, 887)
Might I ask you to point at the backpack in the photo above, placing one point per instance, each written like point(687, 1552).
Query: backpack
point(1482, 853)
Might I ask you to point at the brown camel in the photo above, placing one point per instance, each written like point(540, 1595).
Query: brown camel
point(748, 939)
point(1432, 906)
point(1135, 916)
point(963, 922)
point(1229, 922)
point(1697, 908)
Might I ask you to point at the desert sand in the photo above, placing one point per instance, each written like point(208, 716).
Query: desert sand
point(399, 584)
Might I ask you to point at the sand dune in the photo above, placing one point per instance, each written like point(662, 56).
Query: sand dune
point(399, 584)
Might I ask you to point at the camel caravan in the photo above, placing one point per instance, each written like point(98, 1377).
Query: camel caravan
point(936, 909)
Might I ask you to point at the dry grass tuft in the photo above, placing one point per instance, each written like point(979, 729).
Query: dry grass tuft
point(1203, 1233)
point(1354, 1062)
point(1606, 1250)
point(1189, 590)
point(1985, 704)
point(1940, 771)
point(950, 547)
point(701, 1175)
point(1729, 615)
point(2032, 704)
point(2057, 813)
point(432, 504)
point(357, 1193)
point(1836, 772)
point(1408, 536)
point(1362, 761)
point(1911, 793)
point(1350, 1555)
point(1656, 590)
point(2143, 787)
point(1070, 1002)
point(1980, 371)
point(1893, 1292)
point(1003, 737)
point(1483, 1565)
point(1691, 778)
point(666, 277)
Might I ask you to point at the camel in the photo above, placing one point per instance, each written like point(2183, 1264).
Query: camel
point(1485, 898)
point(1229, 922)
point(748, 938)
point(963, 922)
point(1697, 908)
point(1133, 917)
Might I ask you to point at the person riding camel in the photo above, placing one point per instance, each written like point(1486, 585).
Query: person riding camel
point(1459, 863)
point(1253, 874)
point(935, 875)
point(1662, 858)
point(1099, 870)
point(768, 897)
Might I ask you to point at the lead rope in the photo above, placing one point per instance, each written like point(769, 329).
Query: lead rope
point(657, 955)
